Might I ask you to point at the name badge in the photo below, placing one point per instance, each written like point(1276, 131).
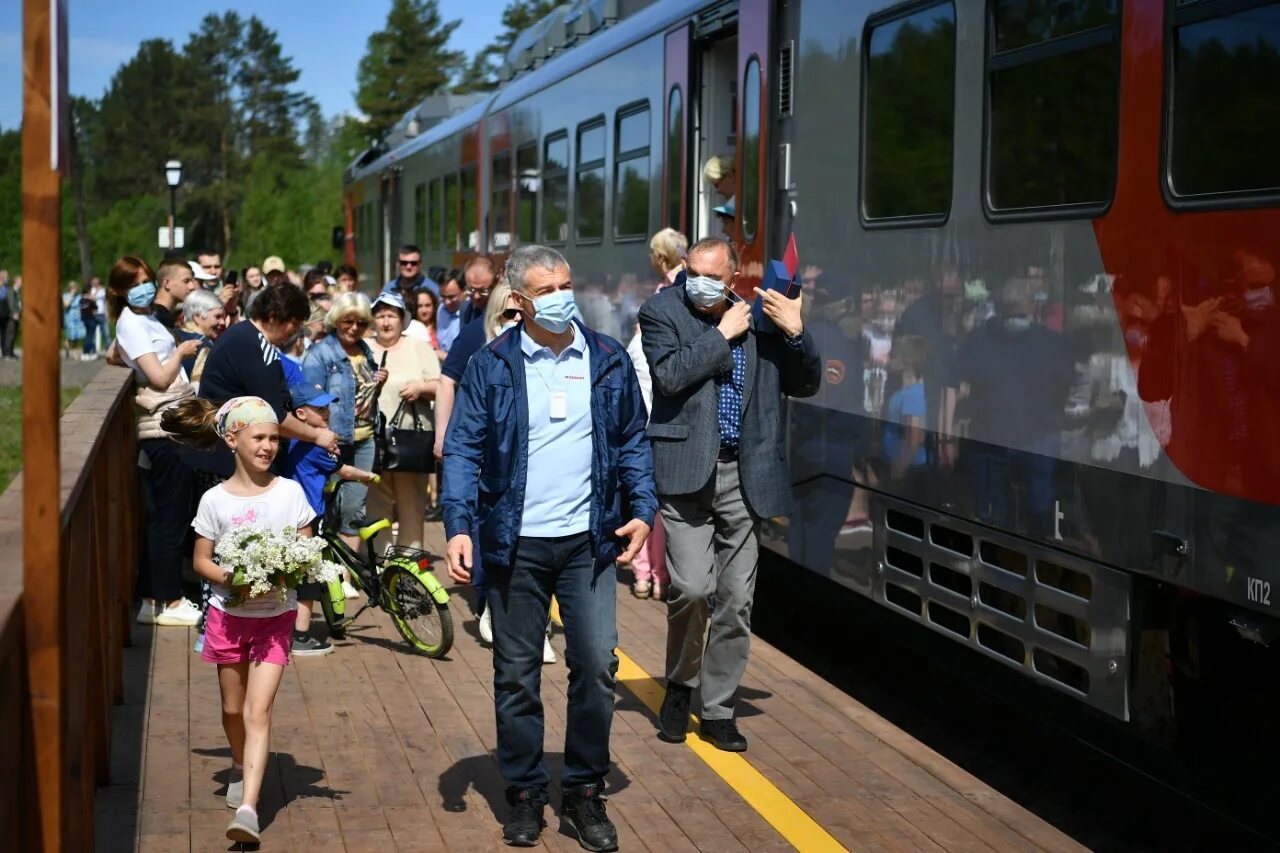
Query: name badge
point(559, 405)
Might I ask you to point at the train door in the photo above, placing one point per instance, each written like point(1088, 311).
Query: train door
point(731, 68)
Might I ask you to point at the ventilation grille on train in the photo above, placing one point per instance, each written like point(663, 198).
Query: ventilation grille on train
point(786, 60)
point(1061, 620)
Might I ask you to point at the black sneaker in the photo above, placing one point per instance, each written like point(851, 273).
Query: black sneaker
point(524, 824)
point(673, 719)
point(723, 734)
point(583, 810)
point(305, 645)
point(435, 512)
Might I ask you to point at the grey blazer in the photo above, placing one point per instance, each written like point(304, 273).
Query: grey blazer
point(685, 354)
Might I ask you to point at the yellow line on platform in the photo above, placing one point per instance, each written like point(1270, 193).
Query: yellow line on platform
point(792, 822)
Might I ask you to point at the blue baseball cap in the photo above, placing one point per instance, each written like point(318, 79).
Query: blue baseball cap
point(309, 394)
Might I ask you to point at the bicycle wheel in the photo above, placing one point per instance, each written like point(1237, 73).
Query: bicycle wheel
point(425, 623)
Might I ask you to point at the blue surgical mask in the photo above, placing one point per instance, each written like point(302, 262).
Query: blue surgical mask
point(142, 295)
point(703, 291)
point(554, 311)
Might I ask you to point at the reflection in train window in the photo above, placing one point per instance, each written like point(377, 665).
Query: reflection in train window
point(1053, 107)
point(1019, 23)
point(419, 214)
point(588, 189)
point(675, 157)
point(433, 215)
point(468, 237)
point(500, 206)
point(631, 174)
point(452, 243)
point(527, 193)
point(555, 188)
point(1226, 76)
point(909, 115)
point(748, 204)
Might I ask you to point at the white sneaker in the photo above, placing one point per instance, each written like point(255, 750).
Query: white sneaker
point(548, 653)
point(184, 614)
point(349, 590)
point(486, 625)
point(235, 789)
point(147, 613)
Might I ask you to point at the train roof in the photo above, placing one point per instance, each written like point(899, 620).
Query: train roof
point(646, 22)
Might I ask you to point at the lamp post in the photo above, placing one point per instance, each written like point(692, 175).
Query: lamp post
point(172, 177)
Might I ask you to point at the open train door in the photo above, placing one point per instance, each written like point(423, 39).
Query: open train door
point(675, 145)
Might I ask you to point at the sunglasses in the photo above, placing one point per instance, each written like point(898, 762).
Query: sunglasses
point(478, 291)
point(405, 263)
point(511, 314)
point(351, 321)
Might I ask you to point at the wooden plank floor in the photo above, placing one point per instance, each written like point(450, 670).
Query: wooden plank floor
point(378, 749)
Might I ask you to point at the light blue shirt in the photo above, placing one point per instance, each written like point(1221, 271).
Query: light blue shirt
point(557, 498)
point(448, 324)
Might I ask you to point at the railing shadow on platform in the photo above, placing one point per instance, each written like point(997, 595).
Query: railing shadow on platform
point(98, 523)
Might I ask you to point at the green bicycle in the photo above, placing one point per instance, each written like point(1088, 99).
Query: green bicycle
point(400, 582)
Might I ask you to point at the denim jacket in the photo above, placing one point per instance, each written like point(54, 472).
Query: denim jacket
point(486, 451)
point(327, 364)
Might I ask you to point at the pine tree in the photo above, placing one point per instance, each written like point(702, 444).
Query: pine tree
point(405, 62)
point(269, 110)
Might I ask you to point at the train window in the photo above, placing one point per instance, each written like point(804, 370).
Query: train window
point(750, 201)
point(909, 116)
point(468, 236)
point(631, 174)
point(588, 189)
point(675, 157)
point(1226, 70)
point(555, 188)
point(1053, 106)
point(527, 193)
point(451, 241)
point(500, 208)
point(419, 212)
point(433, 215)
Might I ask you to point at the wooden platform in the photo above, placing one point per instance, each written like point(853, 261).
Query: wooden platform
point(378, 749)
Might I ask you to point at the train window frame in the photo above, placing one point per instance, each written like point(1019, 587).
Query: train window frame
point(546, 175)
point(621, 158)
point(756, 211)
point(1053, 48)
point(927, 220)
point(673, 161)
point(521, 194)
point(420, 212)
point(471, 170)
point(579, 168)
point(1181, 13)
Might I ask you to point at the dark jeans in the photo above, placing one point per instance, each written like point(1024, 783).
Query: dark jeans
point(169, 519)
point(8, 331)
point(520, 596)
point(90, 334)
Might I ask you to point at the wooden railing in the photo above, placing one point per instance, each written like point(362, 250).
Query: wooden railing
point(98, 526)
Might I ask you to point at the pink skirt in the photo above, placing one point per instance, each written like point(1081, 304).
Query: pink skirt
point(237, 639)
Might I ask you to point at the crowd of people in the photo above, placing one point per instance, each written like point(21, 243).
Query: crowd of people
point(562, 457)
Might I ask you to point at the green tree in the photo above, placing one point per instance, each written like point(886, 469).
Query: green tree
point(269, 108)
point(11, 200)
point(481, 74)
point(404, 62)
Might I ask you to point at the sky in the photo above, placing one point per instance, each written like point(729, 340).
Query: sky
point(325, 38)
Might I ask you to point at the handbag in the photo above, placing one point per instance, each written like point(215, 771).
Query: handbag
point(408, 449)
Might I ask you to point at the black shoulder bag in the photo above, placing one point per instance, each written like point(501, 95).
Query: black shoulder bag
point(411, 450)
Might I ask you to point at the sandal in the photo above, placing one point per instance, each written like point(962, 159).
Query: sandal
point(659, 591)
point(641, 589)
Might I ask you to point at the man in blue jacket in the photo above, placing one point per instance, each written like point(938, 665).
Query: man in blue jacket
point(546, 456)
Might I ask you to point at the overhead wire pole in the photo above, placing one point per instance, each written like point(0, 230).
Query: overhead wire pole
point(44, 575)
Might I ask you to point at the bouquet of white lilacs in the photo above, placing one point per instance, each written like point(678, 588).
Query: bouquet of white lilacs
point(262, 561)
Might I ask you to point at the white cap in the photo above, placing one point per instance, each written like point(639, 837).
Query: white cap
point(199, 273)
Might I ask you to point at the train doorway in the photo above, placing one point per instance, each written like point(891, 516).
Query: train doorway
point(715, 133)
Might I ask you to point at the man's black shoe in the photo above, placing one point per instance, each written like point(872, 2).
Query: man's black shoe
point(673, 719)
point(524, 824)
point(724, 735)
point(583, 810)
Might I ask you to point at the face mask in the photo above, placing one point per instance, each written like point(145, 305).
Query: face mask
point(554, 311)
point(703, 291)
point(141, 295)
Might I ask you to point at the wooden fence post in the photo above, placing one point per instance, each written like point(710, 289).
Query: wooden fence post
point(44, 575)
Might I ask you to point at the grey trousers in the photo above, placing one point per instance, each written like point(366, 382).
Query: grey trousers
point(713, 548)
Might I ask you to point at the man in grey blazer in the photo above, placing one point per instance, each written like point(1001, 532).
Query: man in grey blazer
point(720, 467)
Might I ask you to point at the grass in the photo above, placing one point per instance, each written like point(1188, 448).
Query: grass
point(11, 430)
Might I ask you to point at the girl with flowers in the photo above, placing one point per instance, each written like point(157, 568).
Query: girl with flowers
point(253, 545)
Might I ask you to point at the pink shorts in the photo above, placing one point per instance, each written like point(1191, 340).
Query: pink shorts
point(237, 639)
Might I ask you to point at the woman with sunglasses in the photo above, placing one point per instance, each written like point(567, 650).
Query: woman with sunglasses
point(501, 313)
point(344, 366)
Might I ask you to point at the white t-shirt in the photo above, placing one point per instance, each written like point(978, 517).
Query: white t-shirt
point(418, 331)
point(139, 334)
point(282, 506)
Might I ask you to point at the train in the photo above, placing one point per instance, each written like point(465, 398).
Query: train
point(1038, 247)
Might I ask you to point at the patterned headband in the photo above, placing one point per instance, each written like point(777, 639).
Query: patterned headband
point(240, 412)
